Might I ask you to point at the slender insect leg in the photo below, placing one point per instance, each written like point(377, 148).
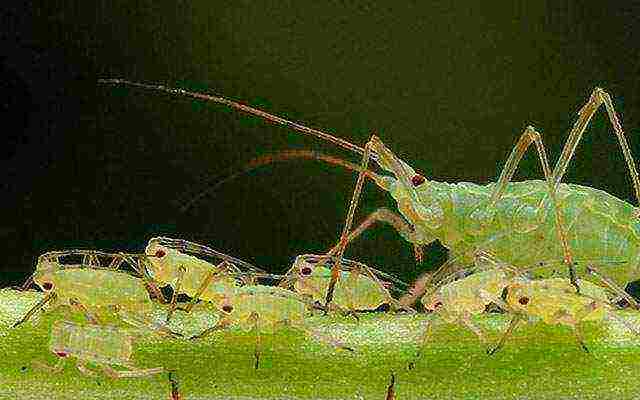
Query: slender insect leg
point(57, 368)
point(577, 332)
point(395, 220)
point(387, 295)
point(82, 367)
point(176, 290)
point(255, 318)
point(597, 98)
point(505, 335)
point(142, 322)
point(423, 342)
point(203, 286)
point(220, 325)
point(75, 303)
point(131, 373)
point(391, 392)
point(468, 323)
point(613, 286)
point(342, 244)
point(529, 136)
point(49, 297)
point(322, 337)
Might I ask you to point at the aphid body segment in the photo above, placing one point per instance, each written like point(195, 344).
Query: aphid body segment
point(105, 346)
point(358, 288)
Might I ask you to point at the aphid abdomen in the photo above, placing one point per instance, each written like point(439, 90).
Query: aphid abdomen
point(95, 343)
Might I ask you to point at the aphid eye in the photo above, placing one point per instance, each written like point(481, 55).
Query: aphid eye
point(160, 253)
point(47, 285)
point(227, 308)
point(523, 300)
point(417, 180)
point(61, 354)
point(306, 271)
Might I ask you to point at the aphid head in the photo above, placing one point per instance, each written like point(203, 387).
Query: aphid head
point(432, 303)
point(158, 267)
point(45, 279)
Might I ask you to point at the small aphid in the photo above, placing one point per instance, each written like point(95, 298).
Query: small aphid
point(181, 264)
point(360, 288)
point(555, 301)
point(391, 391)
point(261, 308)
point(95, 292)
point(104, 346)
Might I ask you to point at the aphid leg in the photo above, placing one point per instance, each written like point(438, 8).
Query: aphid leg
point(529, 136)
point(611, 285)
point(176, 290)
point(577, 332)
point(131, 373)
point(468, 323)
point(220, 325)
point(47, 298)
point(597, 98)
point(255, 319)
point(143, 322)
point(57, 368)
point(391, 392)
point(387, 295)
point(322, 337)
point(395, 220)
point(75, 303)
point(203, 286)
point(175, 389)
point(423, 342)
point(82, 367)
point(505, 335)
point(342, 244)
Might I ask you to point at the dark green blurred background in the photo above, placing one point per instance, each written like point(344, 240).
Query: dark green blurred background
point(448, 88)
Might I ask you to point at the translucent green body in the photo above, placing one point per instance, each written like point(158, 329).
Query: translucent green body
point(272, 305)
point(556, 302)
point(93, 343)
point(462, 297)
point(521, 229)
point(353, 290)
point(95, 288)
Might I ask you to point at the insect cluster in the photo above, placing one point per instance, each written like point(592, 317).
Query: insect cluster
point(540, 249)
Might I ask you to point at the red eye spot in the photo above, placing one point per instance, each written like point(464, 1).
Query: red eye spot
point(417, 180)
point(47, 285)
point(305, 271)
point(61, 354)
point(227, 308)
point(523, 300)
point(160, 253)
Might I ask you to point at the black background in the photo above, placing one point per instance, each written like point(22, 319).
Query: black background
point(448, 88)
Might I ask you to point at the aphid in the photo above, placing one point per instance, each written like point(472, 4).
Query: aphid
point(95, 292)
point(520, 223)
point(260, 308)
point(171, 264)
point(104, 346)
point(554, 301)
point(175, 389)
point(360, 288)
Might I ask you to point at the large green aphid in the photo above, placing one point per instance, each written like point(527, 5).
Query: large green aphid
point(360, 287)
point(265, 308)
point(521, 223)
point(102, 346)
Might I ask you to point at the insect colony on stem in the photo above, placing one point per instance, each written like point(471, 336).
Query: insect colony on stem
point(507, 241)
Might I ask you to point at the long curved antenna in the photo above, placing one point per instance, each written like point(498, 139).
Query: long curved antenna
point(240, 107)
point(285, 155)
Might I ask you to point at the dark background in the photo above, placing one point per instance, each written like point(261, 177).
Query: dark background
point(448, 88)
